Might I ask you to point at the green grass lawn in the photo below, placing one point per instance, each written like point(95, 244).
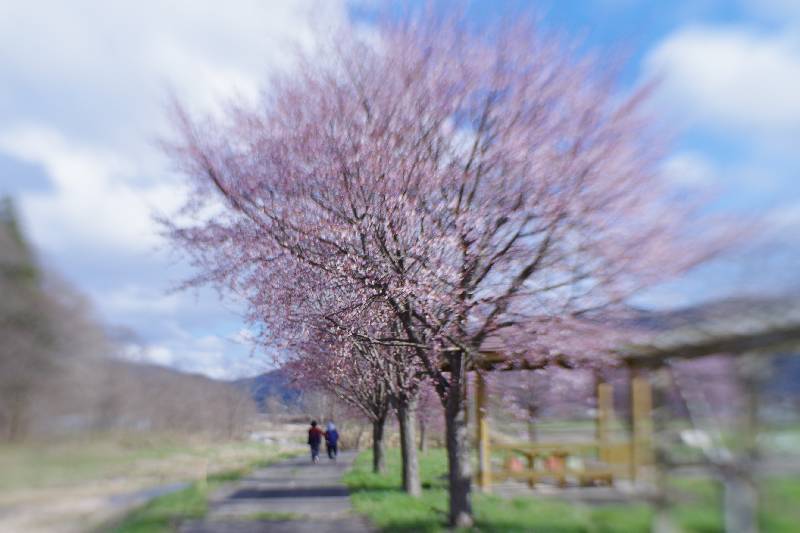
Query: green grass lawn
point(381, 499)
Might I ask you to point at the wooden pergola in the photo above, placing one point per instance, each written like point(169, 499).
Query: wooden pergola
point(741, 328)
point(617, 459)
point(748, 332)
point(735, 329)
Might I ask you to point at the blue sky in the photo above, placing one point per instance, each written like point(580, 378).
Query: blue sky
point(82, 87)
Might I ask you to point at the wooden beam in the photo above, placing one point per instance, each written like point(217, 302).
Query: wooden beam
point(605, 411)
point(699, 345)
point(642, 425)
point(546, 447)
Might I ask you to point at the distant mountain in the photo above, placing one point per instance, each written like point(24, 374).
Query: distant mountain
point(152, 371)
point(276, 384)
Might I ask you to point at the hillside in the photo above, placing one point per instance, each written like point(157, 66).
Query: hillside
point(273, 384)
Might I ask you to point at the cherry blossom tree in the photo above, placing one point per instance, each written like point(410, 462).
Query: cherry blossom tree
point(330, 337)
point(355, 380)
point(371, 377)
point(477, 184)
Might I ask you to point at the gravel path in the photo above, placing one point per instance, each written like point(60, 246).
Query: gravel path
point(291, 496)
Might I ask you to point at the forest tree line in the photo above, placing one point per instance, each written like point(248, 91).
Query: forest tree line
point(60, 372)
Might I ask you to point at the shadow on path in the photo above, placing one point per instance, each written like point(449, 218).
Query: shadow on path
point(309, 492)
point(293, 495)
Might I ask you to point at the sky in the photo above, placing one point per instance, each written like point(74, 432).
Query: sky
point(83, 86)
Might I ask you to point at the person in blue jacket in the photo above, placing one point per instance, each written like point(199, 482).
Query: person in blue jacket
point(331, 440)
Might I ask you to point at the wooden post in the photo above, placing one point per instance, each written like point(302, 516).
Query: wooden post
point(531, 468)
point(662, 520)
point(642, 425)
point(605, 409)
point(740, 487)
point(482, 428)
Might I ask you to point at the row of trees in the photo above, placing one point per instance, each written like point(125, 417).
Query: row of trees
point(58, 375)
point(399, 200)
point(43, 326)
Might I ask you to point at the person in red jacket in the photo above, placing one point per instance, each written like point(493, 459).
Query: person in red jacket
point(314, 440)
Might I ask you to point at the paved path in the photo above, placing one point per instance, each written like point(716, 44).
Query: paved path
point(290, 496)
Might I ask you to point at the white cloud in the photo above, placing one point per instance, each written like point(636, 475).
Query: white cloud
point(736, 90)
point(156, 355)
point(87, 81)
point(130, 299)
point(691, 170)
point(100, 73)
point(731, 77)
point(113, 60)
point(82, 94)
point(95, 203)
point(209, 355)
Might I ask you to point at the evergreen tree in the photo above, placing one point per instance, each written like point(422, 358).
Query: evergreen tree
point(26, 352)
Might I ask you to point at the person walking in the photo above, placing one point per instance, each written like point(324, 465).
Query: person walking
point(314, 440)
point(332, 440)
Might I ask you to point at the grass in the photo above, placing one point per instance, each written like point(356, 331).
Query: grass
point(56, 464)
point(380, 498)
point(781, 505)
point(68, 481)
point(165, 513)
point(144, 459)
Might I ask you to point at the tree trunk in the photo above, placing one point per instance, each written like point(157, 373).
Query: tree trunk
point(378, 456)
point(459, 468)
point(423, 441)
point(407, 418)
